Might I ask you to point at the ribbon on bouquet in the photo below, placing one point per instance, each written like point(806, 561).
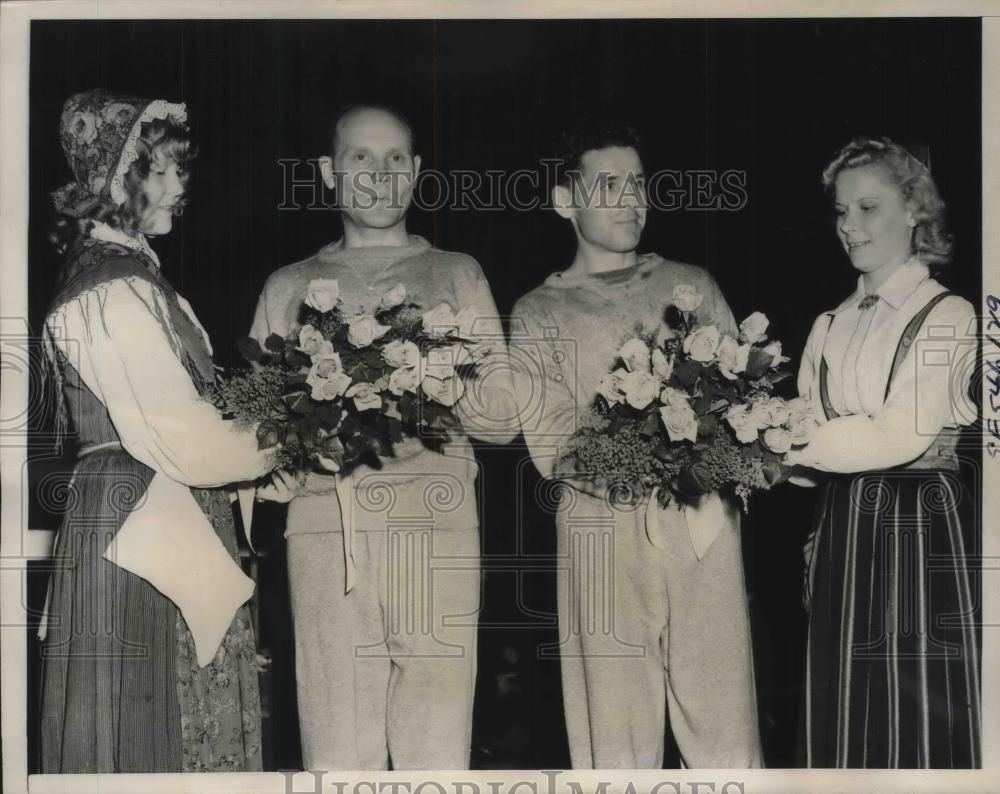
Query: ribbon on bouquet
point(345, 495)
point(704, 519)
point(168, 541)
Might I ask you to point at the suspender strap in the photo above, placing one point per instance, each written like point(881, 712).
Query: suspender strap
point(909, 336)
point(824, 391)
point(905, 343)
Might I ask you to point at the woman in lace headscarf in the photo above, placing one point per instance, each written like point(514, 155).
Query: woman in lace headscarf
point(149, 660)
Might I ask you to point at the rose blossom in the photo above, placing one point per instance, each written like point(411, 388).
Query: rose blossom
point(325, 367)
point(663, 367)
point(640, 388)
point(674, 397)
point(394, 297)
point(753, 328)
point(680, 421)
point(777, 439)
point(635, 355)
point(777, 412)
point(322, 294)
point(744, 427)
point(404, 380)
point(733, 357)
point(439, 363)
point(610, 387)
point(802, 429)
point(310, 340)
point(330, 388)
point(799, 408)
point(440, 321)
point(773, 349)
point(446, 391)
point(401, 354)
point(702, 343)
point(366, 396)
point(364, 329)
point(687, 298)
point(759, 414)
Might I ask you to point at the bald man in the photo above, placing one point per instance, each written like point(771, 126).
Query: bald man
point(386, 666)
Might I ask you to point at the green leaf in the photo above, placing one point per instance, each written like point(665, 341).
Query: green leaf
point(249, 348)
point(275, 344)
point(687, 373)
point(268, 435)
point(758, 363)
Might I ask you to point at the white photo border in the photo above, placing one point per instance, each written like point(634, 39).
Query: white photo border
point(15, 18)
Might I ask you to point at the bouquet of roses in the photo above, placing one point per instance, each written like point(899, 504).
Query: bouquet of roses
point(338, 391)
point(690, 411)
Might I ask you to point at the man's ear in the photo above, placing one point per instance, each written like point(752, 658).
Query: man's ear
point(416, 165)
point(562, 201)
point(326, 170)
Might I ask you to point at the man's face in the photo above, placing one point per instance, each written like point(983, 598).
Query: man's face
point(375, 169)
point(609, 199)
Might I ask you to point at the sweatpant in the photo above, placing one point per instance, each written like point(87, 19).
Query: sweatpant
point(647, 627)
point(388, 669)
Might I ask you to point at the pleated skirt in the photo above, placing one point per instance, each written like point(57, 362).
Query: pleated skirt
point(893, 662)
point(121, 690)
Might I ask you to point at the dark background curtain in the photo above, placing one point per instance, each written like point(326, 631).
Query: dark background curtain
point(771, 99)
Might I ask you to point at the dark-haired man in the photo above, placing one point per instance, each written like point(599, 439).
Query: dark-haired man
point(384, 575)
point(652, 607)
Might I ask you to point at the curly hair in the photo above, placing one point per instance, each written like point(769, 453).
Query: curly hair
point(932, 244)
point(588, 137)
point(168, 137)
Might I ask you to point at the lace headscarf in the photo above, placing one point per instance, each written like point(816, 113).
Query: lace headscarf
point(99, 130)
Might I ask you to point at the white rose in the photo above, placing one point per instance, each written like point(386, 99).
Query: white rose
point(733, 357)
point(635, 355)
point(610, 387)
point(801, 429)
point(759, 414)
point(401, 354)
point(446, 391)
point(330, 388)
point(674, 397)
point(438, 363)
point(365, 395)
point(798, 408)
point(364, 329)
point(687, 298)
point(739, 419)
point(773, 349)
point(640, 389)
point(404, 380)
point(777, 439)
point(394, 297)
point(324, 367)
point(680, 421)
point(325, 351)
point(663, 367)
point(322, 294)
point(310, 340)
point(702, 343)
point(777, 412)
point(754, 328)
point(440, 321)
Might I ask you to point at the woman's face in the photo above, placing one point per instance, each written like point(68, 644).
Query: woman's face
point(163, 189)
point(874, 224)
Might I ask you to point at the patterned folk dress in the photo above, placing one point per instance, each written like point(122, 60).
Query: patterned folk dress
point(892, 678)
point(122, 690)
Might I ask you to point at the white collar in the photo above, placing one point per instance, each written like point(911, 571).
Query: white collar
point(897, 288)
point(101, 231)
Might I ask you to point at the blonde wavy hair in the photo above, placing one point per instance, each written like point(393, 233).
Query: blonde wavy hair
point(931, 244)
